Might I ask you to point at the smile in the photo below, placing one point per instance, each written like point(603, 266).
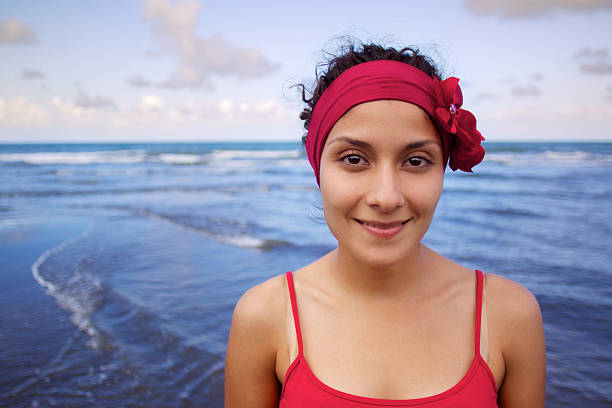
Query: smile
point(382, 229)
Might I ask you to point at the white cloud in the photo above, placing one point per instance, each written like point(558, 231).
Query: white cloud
point(85, 108)
point(13, 31)
point(267, 109)
point(579, 113)
point(174, 28)
point(513, 115)
point(244, 107)
point(79, 114)
point(22, 111)
point(226, 106)
point(149, 110)
point(534, 8)
point(153, 110)
point(151, 102)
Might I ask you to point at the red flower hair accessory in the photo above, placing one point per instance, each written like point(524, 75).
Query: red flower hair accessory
point(385, 79)
point(465, 150)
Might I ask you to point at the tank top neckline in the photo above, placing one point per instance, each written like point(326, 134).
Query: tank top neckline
point(300, 360)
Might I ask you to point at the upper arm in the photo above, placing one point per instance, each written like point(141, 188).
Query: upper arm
point(250, 378)
point(519, 319)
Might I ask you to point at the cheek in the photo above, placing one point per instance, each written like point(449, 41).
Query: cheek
point(339, 195)
point(423, 193)
point(336, 193)
point(430, 193)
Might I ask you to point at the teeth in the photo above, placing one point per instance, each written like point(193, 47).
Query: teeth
point(381, 226)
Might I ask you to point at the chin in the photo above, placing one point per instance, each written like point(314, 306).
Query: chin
point(382, 258)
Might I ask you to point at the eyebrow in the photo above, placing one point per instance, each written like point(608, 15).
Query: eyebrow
point(365, 145)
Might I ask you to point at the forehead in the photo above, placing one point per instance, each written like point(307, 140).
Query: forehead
point(385, 121)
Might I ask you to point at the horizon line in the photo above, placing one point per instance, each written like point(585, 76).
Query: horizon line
point(44, 142)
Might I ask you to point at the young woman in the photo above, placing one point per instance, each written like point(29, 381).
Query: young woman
point(383, 320)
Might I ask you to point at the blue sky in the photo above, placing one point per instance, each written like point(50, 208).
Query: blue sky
point(187, 70)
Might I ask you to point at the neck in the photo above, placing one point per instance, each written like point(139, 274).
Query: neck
point(386, 284)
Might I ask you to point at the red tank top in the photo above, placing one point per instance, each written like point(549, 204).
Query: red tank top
point(303, 389)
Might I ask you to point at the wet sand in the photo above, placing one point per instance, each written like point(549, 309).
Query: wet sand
point(29, 345)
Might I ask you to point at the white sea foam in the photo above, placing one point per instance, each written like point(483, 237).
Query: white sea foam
point(254, 154)
point(552, 158)
point(291, 163)
point(226, 157)
point(243, 241)
point(578, 158)
point(250, 165)
point(235, 164)
point(172, 158)
point(81, 310)
point(114, 156)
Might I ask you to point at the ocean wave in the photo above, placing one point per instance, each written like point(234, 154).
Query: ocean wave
point(181, 158)
point(138, 345)
point(254, 154)
point(553, 158)
point(226, 231)
point(115, 156)
point(89, 192)
point(75, 293)
point(245, 241)
point(232, 158)
point(236, 189)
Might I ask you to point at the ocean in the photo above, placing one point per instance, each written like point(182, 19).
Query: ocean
point(121, 263)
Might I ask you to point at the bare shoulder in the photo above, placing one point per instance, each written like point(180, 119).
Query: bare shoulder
point(261, 307)
point(517, 335)
point(511, 302)
point(254, 339)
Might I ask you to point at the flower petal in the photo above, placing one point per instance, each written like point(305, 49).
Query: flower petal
point(459, 125)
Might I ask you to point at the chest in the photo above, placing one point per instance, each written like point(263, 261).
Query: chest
point(392, 352)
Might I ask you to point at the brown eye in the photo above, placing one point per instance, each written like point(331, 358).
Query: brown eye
point(417, 161)
point(353, 160)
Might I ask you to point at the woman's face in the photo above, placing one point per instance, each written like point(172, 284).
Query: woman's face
point(381, 178)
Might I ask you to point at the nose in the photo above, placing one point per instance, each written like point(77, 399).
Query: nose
point(384, 190)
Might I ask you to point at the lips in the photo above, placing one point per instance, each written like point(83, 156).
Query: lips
point(382, 229)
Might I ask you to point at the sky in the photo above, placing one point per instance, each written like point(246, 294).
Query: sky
point(188, 70)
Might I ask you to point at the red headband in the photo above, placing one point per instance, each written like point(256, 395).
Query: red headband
point(385, 79)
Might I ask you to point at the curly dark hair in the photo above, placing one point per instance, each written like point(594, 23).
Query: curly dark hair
point(351, 56)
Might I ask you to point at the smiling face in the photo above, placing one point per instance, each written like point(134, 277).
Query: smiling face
point(381, 179)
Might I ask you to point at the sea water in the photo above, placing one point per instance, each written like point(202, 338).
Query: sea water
point(137, 253)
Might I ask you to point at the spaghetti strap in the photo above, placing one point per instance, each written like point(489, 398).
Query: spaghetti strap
point(294, 309)
point(302, 388)
point(479, 289)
